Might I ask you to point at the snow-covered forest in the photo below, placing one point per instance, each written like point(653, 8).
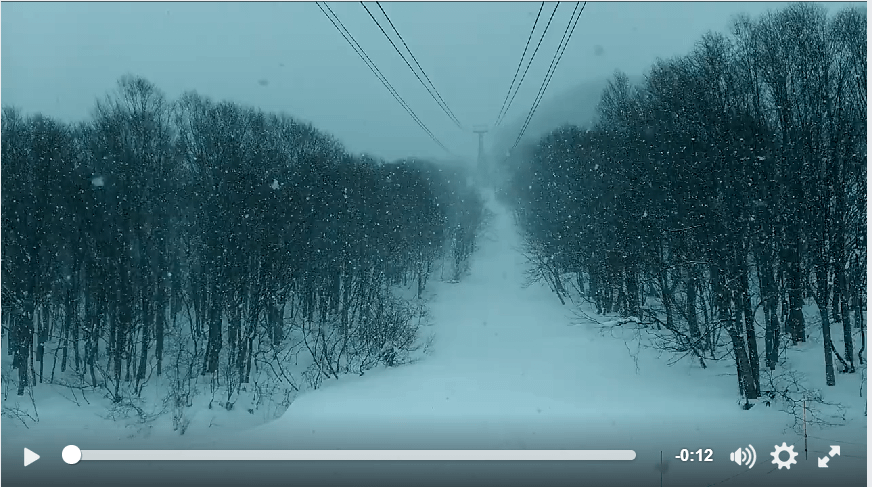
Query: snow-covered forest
point(720, 198)
point(696, 256)
point(167, 241)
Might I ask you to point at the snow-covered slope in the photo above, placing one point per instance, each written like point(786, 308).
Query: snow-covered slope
point(509, 368)
point(513, 369)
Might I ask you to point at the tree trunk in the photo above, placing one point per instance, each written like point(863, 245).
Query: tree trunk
point(861, 322)
point(123, 325)
point(44, 322)
point(731, 320)
point(840, 304)
point(822, 273)
point(595, 292)
point(692, 321)
point(632, 280)
point(276, 320)
point(769, 294)
point(666, 297)
point(828, 344)
point(213, 345)
point(147, 316)
point(23, 334)
point(161, 305)
point(77, 324)
point(246, 346)
point(846, 330)
point(750, 330)
point(69, 310)
point(796, 320)
point(234, 332)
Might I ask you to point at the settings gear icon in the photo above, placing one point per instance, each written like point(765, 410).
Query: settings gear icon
point(777, 454)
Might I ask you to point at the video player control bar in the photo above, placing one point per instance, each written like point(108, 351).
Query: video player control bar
point(72, 454)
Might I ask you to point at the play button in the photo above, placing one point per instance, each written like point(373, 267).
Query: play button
point(29, 457)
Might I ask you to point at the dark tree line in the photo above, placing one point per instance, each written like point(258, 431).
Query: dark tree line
point(199, 238)
point(732, 181)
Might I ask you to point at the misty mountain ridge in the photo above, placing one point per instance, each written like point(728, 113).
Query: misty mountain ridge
point(575, 106)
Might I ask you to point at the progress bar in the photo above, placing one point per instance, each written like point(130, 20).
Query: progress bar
point(72, 455)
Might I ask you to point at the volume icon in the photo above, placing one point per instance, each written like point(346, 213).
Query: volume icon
point(745, 456)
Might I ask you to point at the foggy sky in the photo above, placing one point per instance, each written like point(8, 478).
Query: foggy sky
point(58, 58)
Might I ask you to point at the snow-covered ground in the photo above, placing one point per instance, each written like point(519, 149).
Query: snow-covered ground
point(511, 368)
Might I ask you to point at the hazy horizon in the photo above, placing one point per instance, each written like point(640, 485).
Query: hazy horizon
point(287, 57)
